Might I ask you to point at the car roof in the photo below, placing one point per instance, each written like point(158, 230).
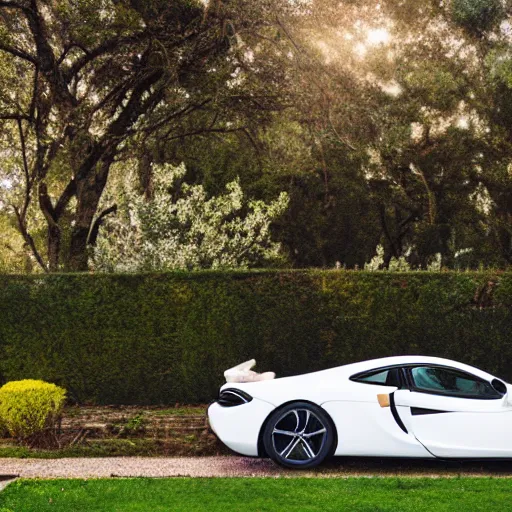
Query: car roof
point(346, 371)
point(351, 369)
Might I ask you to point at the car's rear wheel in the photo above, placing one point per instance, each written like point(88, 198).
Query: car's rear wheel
point(300, 435)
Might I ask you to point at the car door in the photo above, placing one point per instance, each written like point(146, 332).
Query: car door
point(366, 428)
point(453, 413)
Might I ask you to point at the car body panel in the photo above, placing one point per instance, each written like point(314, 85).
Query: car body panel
point(239, 427)
point(363, 427)
point(458, 427)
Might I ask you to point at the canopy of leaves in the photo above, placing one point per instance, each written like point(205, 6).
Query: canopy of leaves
point(386, 122)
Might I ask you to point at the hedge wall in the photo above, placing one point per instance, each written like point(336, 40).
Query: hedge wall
point(165, 338)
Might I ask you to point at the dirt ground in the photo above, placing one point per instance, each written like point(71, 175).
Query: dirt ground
point(92, 431)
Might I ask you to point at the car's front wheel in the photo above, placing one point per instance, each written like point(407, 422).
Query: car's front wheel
point(300, 435)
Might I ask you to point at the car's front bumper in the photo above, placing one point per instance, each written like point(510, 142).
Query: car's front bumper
point(239, 427)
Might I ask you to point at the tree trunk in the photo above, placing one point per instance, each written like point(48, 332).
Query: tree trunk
point(146, 175)
point(80, 233)
point(53, 247)
point(88, 199)
point(88, 194)
point(78, 249)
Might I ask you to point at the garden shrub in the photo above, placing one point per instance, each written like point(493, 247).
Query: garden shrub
point(162, 338)
point(30, 410)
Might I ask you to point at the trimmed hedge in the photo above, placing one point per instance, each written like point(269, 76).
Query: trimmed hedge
point(165, 338)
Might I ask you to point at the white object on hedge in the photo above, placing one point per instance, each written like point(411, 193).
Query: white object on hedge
point(243, 373)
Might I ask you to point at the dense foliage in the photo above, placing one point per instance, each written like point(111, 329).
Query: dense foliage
point(85, 84)
point(165, 338)
point(385, 122)
point(180, 227)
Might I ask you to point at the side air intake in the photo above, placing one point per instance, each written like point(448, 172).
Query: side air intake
point(233, 397)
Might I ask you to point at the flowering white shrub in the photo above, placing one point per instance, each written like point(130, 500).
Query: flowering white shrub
point(395, 264)
point(377, 261)
point(435, 264)
point(190, 231)
point(401, 264)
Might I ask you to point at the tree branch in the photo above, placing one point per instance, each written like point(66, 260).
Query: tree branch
point(28, 239)
point(26, 172)
point(47, 63)
point(185, 110)
point(103, 48)
point(134, 108)
point(34, 95)
point(45, 203)
point(15, 117)
point(93, 235)
point(117, 93)
point(205, 131)
point(343, 140)
point(67, 49)
point(9, 247)
point(13, 5)
point(64, 199)
point(18, 53)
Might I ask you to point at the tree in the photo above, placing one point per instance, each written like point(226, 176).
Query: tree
point(179, 227)
point(80, 92)
point(386, 122)
point(439, 147)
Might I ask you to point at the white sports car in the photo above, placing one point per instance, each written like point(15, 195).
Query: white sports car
point(407, 406)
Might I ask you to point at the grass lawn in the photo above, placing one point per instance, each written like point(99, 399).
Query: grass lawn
point(259, 494)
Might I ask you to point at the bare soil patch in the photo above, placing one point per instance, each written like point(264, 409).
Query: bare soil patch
point(128, 430)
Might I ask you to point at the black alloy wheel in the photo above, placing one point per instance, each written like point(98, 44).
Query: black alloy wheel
point(300, 435)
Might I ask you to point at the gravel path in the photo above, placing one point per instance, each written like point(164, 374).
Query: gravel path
point(239, 466)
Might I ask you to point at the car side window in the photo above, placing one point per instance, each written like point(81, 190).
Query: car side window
point(451, 382)
point(382, 377)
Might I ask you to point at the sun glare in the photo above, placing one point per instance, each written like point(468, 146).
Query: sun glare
point(360, 49)
point(378, 36)
point(6, 183)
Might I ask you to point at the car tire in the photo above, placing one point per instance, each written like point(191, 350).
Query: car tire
point(299, 435)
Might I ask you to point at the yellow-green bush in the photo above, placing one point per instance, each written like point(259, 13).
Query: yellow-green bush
point(29, 409)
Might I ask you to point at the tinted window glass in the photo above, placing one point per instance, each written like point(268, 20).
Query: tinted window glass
point(446, 381)
point(388, 377)
point(376, 378)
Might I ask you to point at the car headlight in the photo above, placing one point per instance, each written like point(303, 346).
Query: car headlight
point(231, 397)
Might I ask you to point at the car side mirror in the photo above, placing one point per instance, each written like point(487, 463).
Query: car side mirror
point(501, 387)
point(504, 388)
